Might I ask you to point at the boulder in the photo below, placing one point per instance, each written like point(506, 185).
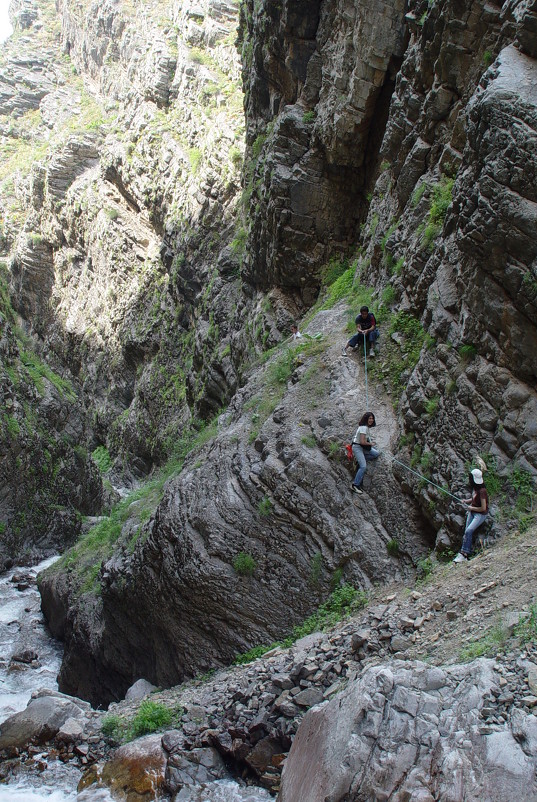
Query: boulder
point(408, 731)
point(38, 723)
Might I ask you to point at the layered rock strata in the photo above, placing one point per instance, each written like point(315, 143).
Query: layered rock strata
point(318, 83)
point(139, 277)
point(281, 499)
point(463, 122)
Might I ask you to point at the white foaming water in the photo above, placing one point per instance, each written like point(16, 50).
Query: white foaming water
point(22, 627)
point(223, 791)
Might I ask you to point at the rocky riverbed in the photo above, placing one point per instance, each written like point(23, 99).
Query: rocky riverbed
point(422, 720)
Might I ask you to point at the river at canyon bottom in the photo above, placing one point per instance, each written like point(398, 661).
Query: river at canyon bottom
point(22, 627)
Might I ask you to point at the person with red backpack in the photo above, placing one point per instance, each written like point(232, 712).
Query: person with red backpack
point(362, 449)
point(366, 327)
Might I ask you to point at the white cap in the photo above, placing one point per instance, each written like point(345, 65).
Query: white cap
point(478, 476)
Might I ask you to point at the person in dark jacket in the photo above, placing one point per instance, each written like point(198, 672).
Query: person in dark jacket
point(366, 327)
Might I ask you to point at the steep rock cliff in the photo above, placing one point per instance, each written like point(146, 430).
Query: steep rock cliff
point(318, 82)
point(462, 133)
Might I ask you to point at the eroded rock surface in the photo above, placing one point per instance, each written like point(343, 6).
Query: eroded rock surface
point(414, 731)
point(282, 499)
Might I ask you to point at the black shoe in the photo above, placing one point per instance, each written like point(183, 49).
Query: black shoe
point(356, 489)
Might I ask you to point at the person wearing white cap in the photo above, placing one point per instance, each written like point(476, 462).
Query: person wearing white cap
point(478, 509)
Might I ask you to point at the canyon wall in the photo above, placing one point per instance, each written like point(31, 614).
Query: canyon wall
point(155, 260)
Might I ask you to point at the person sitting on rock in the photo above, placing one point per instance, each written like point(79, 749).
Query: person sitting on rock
point(478, 510)
point(362, 449)
point(366, 326)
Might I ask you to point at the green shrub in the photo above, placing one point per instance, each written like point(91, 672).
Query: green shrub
point(236, 157)
point(441, 199)
point(238, 243)
point(424, 568)
point(264, 507)
point(316, 568)
point(112, 727)
point(309, 441)
point(392, 547)
point(399, 358)
point(388, 295)
point(102, 458)
point(334, 449)
point(280, 371)
point(336, 578)
point(492, 641)
point(397, 268)
point(492, 480)
point(194, 157)
point(308, 117)
point(467, 352)
point(426, 462)
point(487, 58)
point(244, 564)
point(431, 405)
point(151, 717)
point(38, 371)
point(526, 629)
point(522, 480)
point(333, 270)
point(13, 426)
point(253, 654)
point(341, 602)
point(418, 193)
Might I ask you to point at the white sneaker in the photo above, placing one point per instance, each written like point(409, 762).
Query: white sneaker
point(460, 558)
point(372, 352)
point(344, 352)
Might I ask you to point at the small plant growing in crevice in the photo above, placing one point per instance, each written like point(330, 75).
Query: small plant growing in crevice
point(392, 547)
point(150, 717)
point(336, 579)
point(334, 449)
point(493, 640)
point(264, 507)
point(467, 352)
point(431, 405)
point(526, 629)
point(102, 458)
point(316, 568)
point(343, 601)
point(388, 295)
point(441, 199)
point(424, 569)
point(244, 564)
